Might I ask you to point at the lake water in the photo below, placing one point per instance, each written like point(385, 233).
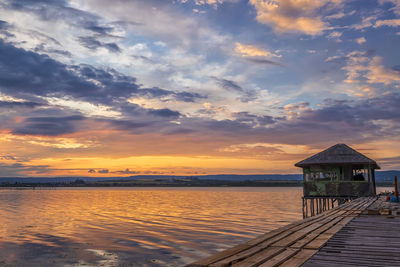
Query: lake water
point(136, 226)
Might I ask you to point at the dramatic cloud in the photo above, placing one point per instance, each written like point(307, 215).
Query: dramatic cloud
point(196, 86)
point(51, 126)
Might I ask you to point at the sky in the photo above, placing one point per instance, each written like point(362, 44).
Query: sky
point(192, 87)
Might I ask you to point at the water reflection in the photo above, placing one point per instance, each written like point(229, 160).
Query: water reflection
point(135, 227)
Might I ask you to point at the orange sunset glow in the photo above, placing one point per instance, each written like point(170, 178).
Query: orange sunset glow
point(195, 87)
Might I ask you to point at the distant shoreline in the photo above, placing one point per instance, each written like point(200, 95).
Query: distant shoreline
point(110, 184)
point(161, 183)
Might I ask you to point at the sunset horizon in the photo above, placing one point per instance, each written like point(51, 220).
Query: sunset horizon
point(195, 87)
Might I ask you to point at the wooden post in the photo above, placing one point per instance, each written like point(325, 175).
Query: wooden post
point(312, 208)
point(306, 208)
point(320, 205)
point(396, 190)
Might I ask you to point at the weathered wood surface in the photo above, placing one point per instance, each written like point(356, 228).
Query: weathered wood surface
point(368, 240)
point(291, 245)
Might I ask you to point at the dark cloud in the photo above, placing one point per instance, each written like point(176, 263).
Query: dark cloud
point(24, 73)
point(247, 95)
point(103, 171)
point(55, 10)
point(255, 120)
point(165, 112)
point(48, 126)
point(20, 169)
point(127, 171)
point(91, 171)
point(4, 29)
point(147, 59)
point(395, 160)
point(7, 158)
point(126, 124)
point(228, 84)
point(156, 92)
point(103, 30)
point(3, 24)
point(43, 49)
point(262, 61)
point(396, 68)
point(93, 44)
point(17, 104)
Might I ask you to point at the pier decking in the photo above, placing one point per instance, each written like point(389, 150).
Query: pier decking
point(345, 234)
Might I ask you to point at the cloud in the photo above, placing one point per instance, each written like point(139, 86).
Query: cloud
point(21, 169)
point(253, 120)
point(18, 104)
point(48, 126)
point(378, 73)
point(263, 61)
point(253, 51)
point(127, 171)
point(387, 22)
point(365, 23)
point(156, 92)
point(103, 171)
point(292, 16)
point(28, 73)
point(361, 40)
point(94, 44)
point(365, 67)
point(335, 35)
point(60, 10)
point(165, 112)
point(247, 95)
point(395, 5)
point(214, 3)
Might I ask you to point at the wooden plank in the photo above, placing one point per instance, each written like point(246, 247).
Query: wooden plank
point(258, 258)
point(355, 260)
point(251, 250)
point(280, 258)
point(298, 259)
point(319, 241)
point(236, 249)
point(311, 236)
point(312, 232)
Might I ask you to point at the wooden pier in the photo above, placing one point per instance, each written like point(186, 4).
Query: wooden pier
point(358, 233)
point(315, 205)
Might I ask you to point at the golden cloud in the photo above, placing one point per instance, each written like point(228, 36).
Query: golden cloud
point(387, 22)
point(372, 69)
point(292, 15)
point(253, 51)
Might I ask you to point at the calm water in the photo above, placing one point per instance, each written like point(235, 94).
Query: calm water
point(135, 227)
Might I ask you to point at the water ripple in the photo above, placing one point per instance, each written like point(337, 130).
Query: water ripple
point(135, 226)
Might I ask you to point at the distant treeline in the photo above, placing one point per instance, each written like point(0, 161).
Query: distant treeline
point(156, 183)
point(383, 178)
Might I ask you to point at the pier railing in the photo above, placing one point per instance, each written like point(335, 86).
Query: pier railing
point(315, 205)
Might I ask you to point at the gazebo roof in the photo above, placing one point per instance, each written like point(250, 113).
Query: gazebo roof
point(338, 154)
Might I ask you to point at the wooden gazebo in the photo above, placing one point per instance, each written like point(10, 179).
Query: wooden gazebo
point(338, 171)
